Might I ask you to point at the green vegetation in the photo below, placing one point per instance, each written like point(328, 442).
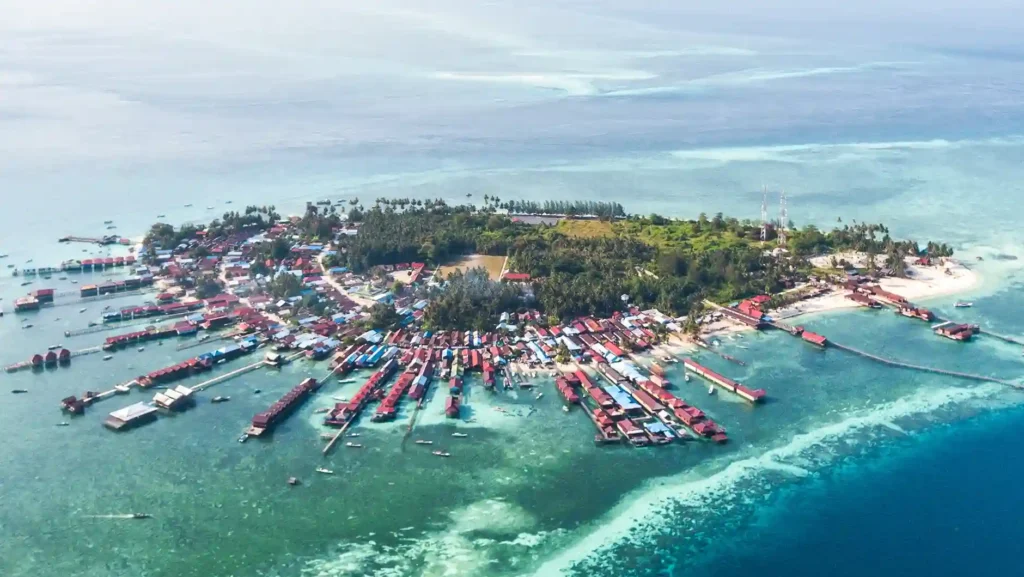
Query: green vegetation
point(384, 316)
point(471, 301)
point(285, 285)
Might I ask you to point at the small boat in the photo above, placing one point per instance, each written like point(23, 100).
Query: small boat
point(141, 516)
point(257, 391)
point(26, 283)
point(108, 357)
point(63, 424)
point(111, 227)
point(26, 326)
point(53, 347)
point(189, 205)
point(460, 435)
point(227, 202)
point(161, 216)
point(81, 310)
point(711, 390)
point(326, 436)
point(686, 378)
point(28, 261)
point(324, 471)
point(140, 349)
point(243, 438)
point(347, 381)
point(321, 410)
point(62, 278)
point(353, 445)
point(565, 409)
point(352, 435)
point(219, 399)
point(92, 324)
point(441, 453)
point(423, 442)
point(73, 281)
point(963, 305)
point(539, 395)
point(209, 208)
point(108, 222)
point(19, 391)
point(293, 481)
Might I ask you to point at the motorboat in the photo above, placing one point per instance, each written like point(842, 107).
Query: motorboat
point(26, 326)
point(711, 390)
point(219, 399)
point(141, 516)
point(963, 305)
point(108, 357)
point(293, 481)
point(324, 471)
point(353, 445)
point(460, 435)
point(54, 347)
point(19, 391)
point(423, 442)
point(108, 222)
point(441, 453)
point(140, 349)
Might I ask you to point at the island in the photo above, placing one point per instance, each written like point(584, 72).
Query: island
point(409, 293)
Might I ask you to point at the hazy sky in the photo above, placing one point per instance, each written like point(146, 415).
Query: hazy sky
point(125, 80)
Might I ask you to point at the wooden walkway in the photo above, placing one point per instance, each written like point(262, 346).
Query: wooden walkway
point(923, 368)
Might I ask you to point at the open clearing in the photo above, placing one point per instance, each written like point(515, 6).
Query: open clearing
point(585, 228)
point(493, 265)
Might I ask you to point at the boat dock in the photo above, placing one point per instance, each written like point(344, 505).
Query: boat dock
point(32, 362)
point(722, 382)
point(100, 240)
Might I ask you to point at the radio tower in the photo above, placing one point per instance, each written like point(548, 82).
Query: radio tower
point(764, 214)
point(783, 218)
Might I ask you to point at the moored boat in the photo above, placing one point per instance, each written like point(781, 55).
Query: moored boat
point(441, 453)
point(324, 471)
point(963, 304)
point(353, 445)
point(423, 442)
point(460, 435)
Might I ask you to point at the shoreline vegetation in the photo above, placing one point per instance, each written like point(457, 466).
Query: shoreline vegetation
point(567, 260)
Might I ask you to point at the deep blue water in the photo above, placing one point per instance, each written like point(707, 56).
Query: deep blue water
point(945, 502)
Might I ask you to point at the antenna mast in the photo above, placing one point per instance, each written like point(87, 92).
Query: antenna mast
point(783, 218)
point(764, 214)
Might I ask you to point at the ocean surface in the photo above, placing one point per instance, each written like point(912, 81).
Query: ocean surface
point(850, 467)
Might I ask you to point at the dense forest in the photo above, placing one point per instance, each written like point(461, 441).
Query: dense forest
point(471, 301)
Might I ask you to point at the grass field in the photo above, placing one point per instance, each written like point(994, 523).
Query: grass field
point(493, 265)
point(585, 228)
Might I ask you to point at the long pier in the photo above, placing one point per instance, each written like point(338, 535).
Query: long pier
point(926, 369)
point(26, 364)
point(908, 366)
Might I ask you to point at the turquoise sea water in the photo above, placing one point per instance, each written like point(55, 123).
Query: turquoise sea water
point(925, 139)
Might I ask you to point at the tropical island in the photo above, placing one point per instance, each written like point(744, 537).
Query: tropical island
point(565, 260)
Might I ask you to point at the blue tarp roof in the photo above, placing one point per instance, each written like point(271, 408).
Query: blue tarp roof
point(658, 427)
point(622, 398)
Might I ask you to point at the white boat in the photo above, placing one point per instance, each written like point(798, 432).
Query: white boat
point(686, 378)
point(73, 281)
point(108, 357)
point(441, 453)
point(141, 349)
point(422, 442)
point(189, 205)
point(711, 390)
point(963, 305)
point(539, 395)
point(27, 326)
point(565, 409)
point(324, 471)
point(54, 347)
point(353, 445)
point(460, 435)
point(209, 208)
point(352, 435)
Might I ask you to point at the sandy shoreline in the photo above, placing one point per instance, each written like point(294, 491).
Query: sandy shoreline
point(923, 282)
